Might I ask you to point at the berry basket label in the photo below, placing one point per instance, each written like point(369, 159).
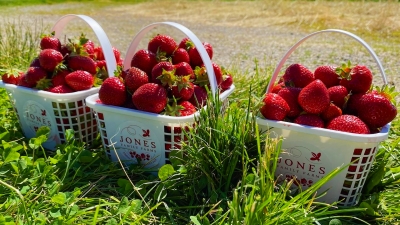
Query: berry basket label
point(137, 143)
point(35, 116)
point(303, 164)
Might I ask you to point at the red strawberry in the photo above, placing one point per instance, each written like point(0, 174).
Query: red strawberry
point(352, 105)
point(277, 87)
point(376, 110)
point(12, 76)
point(61, 89)
point(338, 95)
point(112, 92)
point(79, 62)
point(327, 74)
point(185, 43)
point(184, 69)
point(217, 73)
point(65, 50)
point(33, 75)
point(50, 42)
point(348, 123)
point(150, 97)
point(180, 55)
point(310, 120)
point(165, 69)
point(162, 45)
point(194, 55)
point(79, 80)
point(23, 83)
point(183, 89)
point(135, 78)
point(290, 95)
point(199, 97)
point(89, 48)
point(49, 59)
point(183, 108)
point(227, 81)
point(144, 60)
point(275, 107)
point(333, 111)
point(298, 75)
point(314, 97)
point(117, 53)
point(98, 53)
point(59, 77)
point(358, 80)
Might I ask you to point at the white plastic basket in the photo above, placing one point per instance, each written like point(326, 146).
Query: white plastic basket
point(129, 134)
point(36, 108)
point(310, 153)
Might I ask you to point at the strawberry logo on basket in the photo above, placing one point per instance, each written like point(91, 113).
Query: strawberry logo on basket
point(146, 133)
point(315, 156)
point(43, 112)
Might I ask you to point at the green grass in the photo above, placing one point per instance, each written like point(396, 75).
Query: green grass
point(225, 176)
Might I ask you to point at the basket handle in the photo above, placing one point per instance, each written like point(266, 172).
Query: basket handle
point(199, 46)
point(101, 36)
point(294, 47)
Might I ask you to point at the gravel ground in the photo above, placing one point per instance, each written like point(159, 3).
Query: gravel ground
point(236, 46)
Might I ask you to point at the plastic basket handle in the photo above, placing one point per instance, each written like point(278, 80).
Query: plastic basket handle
point(101, 36)
point(294, 47)
point(199, 46)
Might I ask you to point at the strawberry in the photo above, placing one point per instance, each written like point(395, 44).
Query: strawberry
point(98, 53)
point(290, 95)
point(61, 89)
point(314, 97)
point(144, 60)
point(135, 78)
point(23, 83)
point(227, 81)
point(338, 95)
point(199, 97)
point(79, 62)
point(89, 48)
point(183, 108)
point(112, 92)
point(376, 110)
point(11, 76)
point(49, 59)
point(59, 77)
point(117, 53)
point(33, 75)
point(352, 105)
point(217, 73)
point(150, 97)
point(298, 75)
point(50, 42)
point(180, 55)
point(331, 112)
point(194, 55)
point(327, 74)
point(65, 50)
point(310, 120)
point(184, 69)
point(80, 80)
point(185, 43)
point(274, 107)
point(202, 75)
point(35, 62)
point(165, 69)
point(183, 89)
point(277, 87)
point(357, 79)
point(348, 123)
point(162, 45)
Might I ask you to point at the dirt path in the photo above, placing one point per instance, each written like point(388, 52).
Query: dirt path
point(239, 36)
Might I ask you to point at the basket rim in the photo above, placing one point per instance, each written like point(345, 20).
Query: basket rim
point(100, 108)
point(47, 94)
point(365, 138)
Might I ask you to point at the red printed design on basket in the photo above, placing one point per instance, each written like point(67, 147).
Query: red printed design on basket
point(135, 143)
point(35, 116)
point(303, 161)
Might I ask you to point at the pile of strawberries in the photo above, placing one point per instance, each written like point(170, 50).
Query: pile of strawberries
point(64, 67)
point(166, 78)
point(337, 98)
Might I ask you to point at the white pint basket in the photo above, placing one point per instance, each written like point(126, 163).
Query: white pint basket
point(310, 153)
point(59, 112)
point(134, 136)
